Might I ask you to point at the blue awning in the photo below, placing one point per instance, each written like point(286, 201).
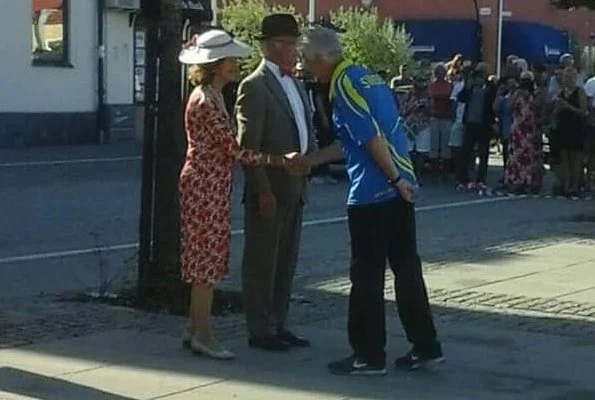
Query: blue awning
point(534, 42)
point(440, 40)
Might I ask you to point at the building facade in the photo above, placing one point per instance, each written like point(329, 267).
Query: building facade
point(73, 70)
point(538, 16)
point(50, 90)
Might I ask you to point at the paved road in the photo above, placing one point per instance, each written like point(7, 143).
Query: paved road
point(61, 203)
point(509, 280)
point(498, 345)
point(125, 364)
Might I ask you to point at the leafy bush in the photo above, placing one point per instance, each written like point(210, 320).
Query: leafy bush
point(243, 19)
point(368, 40)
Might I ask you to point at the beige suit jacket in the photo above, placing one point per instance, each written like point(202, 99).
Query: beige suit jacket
point(266, 124)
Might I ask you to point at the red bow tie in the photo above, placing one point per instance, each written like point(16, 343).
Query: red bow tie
point(285, 71)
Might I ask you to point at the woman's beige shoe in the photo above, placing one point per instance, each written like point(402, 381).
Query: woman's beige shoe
point(216, 351)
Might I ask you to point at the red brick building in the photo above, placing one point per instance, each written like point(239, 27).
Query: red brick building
point(579, 23)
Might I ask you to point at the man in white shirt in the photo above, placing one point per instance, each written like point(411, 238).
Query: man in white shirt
point(290, 87)
point(274, 117)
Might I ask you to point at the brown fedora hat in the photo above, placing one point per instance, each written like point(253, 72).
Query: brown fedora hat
point(276, 25)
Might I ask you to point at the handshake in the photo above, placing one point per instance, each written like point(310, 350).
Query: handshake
point(296, 164)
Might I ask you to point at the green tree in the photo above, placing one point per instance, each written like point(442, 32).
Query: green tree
point(243, 18)
point(368, 40)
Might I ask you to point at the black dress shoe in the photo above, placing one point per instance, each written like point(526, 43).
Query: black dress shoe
point(293, 340)
point(270, 343)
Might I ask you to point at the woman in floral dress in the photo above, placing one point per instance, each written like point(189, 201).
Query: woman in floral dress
point(206, 180)
point(524, 168)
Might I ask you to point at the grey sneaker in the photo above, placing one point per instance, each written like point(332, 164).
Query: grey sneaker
point(354, 366)
point(412, 361)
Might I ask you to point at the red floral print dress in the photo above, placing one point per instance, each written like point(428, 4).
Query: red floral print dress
point(417, 106)
point(525, 160)
point(205, 188)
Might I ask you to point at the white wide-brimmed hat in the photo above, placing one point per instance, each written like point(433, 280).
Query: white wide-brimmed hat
point(212, 46)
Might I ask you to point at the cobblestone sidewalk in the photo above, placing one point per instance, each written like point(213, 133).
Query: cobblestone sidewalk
point(320, 295)
point(44, 319)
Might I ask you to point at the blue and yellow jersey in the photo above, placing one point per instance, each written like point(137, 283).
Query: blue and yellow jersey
point(364, 108)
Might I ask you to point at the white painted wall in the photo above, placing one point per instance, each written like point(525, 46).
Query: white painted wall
point(119, 62)
point(28, 88)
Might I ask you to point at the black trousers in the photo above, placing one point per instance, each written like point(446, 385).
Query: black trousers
point(379, 232)
point(480, 135)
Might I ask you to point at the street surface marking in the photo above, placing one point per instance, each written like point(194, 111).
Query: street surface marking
point(443, 206)
point(239, 232)
point(66, 162)
point(66, 253)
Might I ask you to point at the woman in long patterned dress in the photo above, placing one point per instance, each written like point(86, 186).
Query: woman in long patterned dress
point(524, 168)
point(206, 180)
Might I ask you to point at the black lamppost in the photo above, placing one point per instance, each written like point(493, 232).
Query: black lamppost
point(479, 31)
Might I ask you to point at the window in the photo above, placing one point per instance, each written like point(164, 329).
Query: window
point(139, 65)
point(49, 32)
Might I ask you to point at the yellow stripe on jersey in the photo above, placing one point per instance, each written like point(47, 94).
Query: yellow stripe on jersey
point(342, 86)
point(353, 96)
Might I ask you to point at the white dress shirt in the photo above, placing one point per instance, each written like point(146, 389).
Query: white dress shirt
point(295, 102)
point(590, 90)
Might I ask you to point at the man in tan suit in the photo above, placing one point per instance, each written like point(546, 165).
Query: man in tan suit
point(274, 117)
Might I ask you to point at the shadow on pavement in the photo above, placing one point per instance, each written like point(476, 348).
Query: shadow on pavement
point(491, 356)
point(24, 385)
